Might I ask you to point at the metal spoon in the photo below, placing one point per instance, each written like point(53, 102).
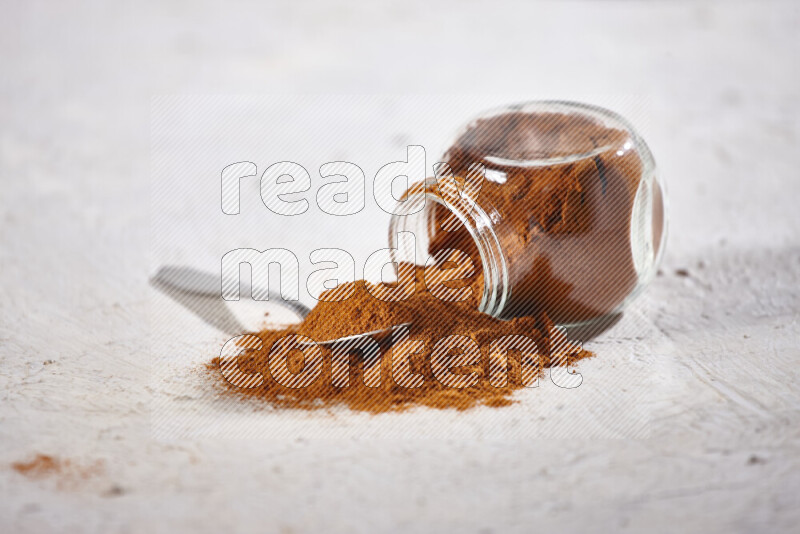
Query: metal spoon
point(203, 284)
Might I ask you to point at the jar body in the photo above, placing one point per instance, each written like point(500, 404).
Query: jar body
point(558, 204)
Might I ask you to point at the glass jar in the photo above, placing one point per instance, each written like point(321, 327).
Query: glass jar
point(557, 203)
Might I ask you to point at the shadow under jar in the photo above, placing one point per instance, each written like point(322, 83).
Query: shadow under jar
point(565, 216)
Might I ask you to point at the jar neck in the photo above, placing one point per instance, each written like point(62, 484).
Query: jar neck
point(416, 214)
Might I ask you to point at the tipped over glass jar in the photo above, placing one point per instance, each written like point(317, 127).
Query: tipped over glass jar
point(558, 204)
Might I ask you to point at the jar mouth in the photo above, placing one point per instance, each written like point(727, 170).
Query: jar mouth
point(415, 214)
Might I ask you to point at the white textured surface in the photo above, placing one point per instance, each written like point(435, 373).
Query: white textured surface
point(723, 445)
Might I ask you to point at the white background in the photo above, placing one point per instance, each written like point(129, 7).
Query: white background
point(720, 449)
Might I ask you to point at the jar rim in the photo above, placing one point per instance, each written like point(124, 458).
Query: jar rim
point(478, 221)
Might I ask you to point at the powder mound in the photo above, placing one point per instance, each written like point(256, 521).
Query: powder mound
point(378, 381)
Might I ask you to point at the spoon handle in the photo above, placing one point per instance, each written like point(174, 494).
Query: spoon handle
point(189, 280)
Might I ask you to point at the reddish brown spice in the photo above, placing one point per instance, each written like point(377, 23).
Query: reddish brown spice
point(68, 474)
point(575, 217)
point(562, 197)
point(373, 380)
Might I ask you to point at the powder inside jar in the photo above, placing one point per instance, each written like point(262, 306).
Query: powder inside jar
point(562, 189)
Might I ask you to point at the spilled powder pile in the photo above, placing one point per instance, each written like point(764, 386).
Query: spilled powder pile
point(374, 377)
